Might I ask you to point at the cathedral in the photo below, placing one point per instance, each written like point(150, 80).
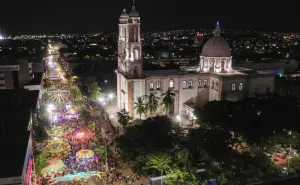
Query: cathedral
point(213, 79)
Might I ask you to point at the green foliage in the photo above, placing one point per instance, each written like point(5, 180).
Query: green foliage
point(93, 89)
point(123, 117)
point(75, 93)
point(140, 106)
point(154, 135)
point(100, 150)
point(85, 114)
point(295, 164)
point(42, 111)
point(40, 133)
point(181, 176)
point(40, 162)
point(168, 100)
point(152, 103)
point(159, 161)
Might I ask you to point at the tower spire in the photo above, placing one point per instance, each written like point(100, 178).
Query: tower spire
point(217, 31)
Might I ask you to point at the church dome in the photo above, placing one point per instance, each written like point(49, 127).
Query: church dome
point(133, 12)
point(124, 14)
point(216, 46)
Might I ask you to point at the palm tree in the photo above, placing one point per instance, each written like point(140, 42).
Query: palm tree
point(152, 104)
point(160, 162)
point(140, 107)
point(168, 100)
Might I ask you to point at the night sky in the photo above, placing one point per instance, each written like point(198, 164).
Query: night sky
point(45, 16)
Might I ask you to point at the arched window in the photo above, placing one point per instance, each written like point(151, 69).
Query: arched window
point(241, 86)
point(151, 85)
point(136, 54)
point(171, 83)
point(157, 85)
point(233, 86)
point(217, 86)
point(213, 85)
point(205, 83)
point(183, 84)
point(200, 83)
point(190, 83)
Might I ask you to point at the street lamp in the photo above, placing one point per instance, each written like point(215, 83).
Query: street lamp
point(111, 95)
point(101, 99)
point(178, 119)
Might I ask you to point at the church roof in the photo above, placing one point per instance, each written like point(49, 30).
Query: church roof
point(133, 12)
point(124, 14)
point(216, 46)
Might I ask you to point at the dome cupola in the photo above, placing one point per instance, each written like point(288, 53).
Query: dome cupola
point(124, 14)
point(216, 46)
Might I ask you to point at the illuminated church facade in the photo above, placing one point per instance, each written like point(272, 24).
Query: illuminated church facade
point(213, 79)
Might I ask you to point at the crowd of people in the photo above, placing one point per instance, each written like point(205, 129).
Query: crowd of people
point(77, 134)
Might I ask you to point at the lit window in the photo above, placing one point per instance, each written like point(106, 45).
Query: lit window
point(157, 85)
point(200, 83)
point(241, 86)
point(183, 84)
point(205, 83)
point(151, 85)
point(190, 83)
point(171, 83)
point(233, 86)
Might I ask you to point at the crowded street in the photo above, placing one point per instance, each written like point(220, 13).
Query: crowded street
point(78, 149)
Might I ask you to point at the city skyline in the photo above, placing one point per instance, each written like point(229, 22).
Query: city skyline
point(93, 16)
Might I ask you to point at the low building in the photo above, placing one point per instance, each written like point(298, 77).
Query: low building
point(276, 67)
point(17, 114)
point(18, 73)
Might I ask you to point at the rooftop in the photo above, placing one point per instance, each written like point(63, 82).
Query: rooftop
point(193, 70)
point(14, 138)
point(37, 80)
point(15, 113)
point(17, 100)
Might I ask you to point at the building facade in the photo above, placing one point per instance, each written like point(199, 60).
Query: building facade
point(213, 79)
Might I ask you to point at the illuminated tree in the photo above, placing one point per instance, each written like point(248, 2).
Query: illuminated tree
point(123, 117)
point(93, 90)
point(152, 103)
point(140, 107)
point(168, 100)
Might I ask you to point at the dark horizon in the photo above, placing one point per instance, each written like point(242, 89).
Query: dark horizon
point(94, 16)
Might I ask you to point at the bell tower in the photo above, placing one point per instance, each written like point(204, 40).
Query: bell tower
point(129, 45)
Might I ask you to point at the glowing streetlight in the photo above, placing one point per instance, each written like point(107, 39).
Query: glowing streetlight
point(50, 109)
point(101, 100)
point(105, 81)
point(111, 116)
point(178, 119)
point(111, 95)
